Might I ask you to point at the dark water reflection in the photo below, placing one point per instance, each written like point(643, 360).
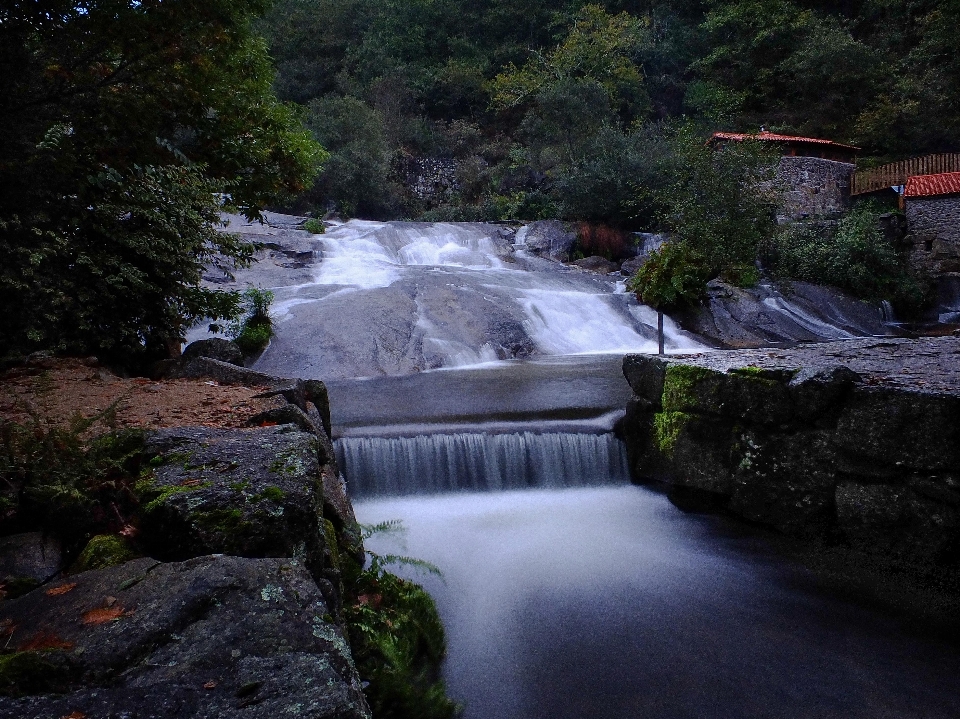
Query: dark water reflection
point(610, 603)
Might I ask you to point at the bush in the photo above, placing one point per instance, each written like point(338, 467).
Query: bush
point(673, 276)
point(53, 480)
point(314, 226)
point(253, 331)
point(855, 258)
point(603, 241)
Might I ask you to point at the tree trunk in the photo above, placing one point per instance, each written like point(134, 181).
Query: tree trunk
point(659, 332)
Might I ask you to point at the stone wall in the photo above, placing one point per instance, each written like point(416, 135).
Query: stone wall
point(933, 224)
point(813, 187)
point(821, 452)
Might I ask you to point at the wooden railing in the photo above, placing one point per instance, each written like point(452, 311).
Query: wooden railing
point(896, 173)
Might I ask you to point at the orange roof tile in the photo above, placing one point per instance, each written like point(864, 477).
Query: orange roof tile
point(774, 137)
point(944, 183)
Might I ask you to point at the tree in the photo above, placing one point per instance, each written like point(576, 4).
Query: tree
point(720, 201)
point(124, 125)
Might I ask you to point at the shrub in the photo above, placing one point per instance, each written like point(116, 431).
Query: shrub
point(673, 276)
point(602, 240)
point(253, 331)
point(314, 226)
point(51, 479)
point(855, 257)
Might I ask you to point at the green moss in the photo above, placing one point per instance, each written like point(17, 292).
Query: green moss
point(666, 428)
point(225, 522)
point(330, 535)
point(23, 673)
point(239, 486)
point(160, 494)
point(273, 494)
point(678, 385)
point(103, 550)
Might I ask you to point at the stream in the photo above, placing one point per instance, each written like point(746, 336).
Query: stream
point(474, 391)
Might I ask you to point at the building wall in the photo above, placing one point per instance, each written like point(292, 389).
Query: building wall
point(813, 187)
point(933, 226)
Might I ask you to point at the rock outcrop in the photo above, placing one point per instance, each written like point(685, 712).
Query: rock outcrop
point(214, 636)
point(856, 441)
point(237, 608)
point(548, 238)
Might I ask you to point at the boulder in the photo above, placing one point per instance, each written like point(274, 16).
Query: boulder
point(211, 637)
point(595, 263)
point(251, 493)
point(550, 238)
point(27, 560)
point(216, 348)
point(630, 267)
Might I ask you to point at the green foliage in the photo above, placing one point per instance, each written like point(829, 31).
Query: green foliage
point(124, 127)
point(397, 638)
point(53, 480)
point(678, 387)
point(673, 276)
point(721, 201)
point(666, 430)
point(855, 257)
point(314, 226)
point(252, 332)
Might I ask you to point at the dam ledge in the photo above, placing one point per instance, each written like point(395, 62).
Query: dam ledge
point(854, 443)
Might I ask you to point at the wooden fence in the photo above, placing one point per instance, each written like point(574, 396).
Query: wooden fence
point(896, 173)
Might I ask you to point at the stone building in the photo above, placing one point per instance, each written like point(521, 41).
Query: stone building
point(813, 175)
point(932, 205)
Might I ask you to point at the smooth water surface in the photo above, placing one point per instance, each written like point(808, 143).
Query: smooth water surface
point(610, 603)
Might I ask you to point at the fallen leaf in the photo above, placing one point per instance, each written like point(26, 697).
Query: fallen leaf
point(210, 685)
point(109, 601)
point(191, 482)
point(45, 640)
point(267, 424)
point(102, 615)
point(62, 589)
point(74, 715)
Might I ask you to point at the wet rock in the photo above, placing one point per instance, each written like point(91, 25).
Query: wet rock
point(215, 348)
point(596, 264)
point(630, 267)
point(646, 376)
point(214, 636)
point(550, 238)
point(251, 493)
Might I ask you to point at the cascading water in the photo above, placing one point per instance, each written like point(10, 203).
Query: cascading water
point(395, 298)
point(438, 463)
point(580, 595)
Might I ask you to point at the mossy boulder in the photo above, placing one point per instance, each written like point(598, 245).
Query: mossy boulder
point(251, 493)
point(215, 637)
point(103, 550)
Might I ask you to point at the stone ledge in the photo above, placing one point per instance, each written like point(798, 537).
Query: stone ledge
point(853, 441)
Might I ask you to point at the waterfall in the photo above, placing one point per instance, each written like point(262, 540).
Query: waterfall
point(432, 464)
point(887, 315)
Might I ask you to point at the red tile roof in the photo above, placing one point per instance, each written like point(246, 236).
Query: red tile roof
point(774, 137)
point(945, 183)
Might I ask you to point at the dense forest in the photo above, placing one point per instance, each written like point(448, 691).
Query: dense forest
point(127, 126)
point(566, 109)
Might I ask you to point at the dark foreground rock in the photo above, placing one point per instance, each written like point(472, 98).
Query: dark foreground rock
point(251, 493)
point(210, 637)
point(856, 441)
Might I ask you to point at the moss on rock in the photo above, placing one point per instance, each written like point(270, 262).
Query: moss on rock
point(679, 384)
point(103, 550)
point(667, 427)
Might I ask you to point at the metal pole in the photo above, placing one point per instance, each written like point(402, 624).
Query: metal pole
point(659, 332)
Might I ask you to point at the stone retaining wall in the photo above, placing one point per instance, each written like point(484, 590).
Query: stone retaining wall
point(817, 452)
